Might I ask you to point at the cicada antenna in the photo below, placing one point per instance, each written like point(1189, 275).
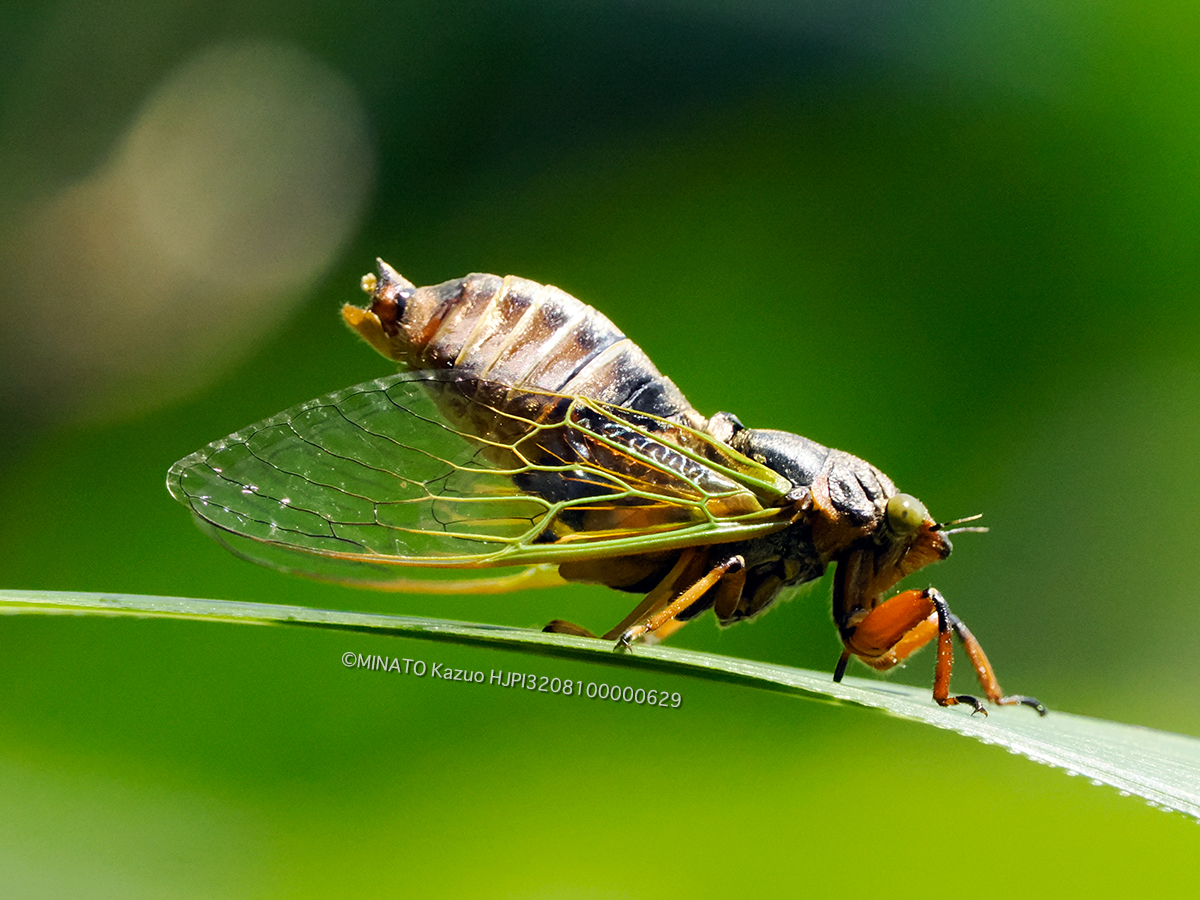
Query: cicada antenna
point(948, 527)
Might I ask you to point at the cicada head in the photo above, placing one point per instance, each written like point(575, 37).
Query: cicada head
point(903, 540)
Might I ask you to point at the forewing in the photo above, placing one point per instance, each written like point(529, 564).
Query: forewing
point(433, 470)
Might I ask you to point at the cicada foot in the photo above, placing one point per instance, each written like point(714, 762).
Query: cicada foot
point(1013, 700)
point(898, 627)
point(1022, 700)
point(979, 660)
point(966, 699)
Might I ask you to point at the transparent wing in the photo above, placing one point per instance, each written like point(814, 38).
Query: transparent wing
point(434, 470)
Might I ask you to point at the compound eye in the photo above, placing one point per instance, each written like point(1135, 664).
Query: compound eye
point(905, 513)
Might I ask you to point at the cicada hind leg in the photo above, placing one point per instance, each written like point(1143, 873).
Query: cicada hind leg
point(903, 624)
point(691, 579)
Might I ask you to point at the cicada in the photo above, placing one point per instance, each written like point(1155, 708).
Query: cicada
point(527, 441)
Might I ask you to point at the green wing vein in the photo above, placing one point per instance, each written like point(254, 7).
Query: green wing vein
point(435, 470)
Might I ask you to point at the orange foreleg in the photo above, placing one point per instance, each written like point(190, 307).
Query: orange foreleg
point(898, 627)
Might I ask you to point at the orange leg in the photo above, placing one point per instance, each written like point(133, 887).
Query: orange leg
point(689, 564)
point(728, 592)
point(900, 626)
point(979, 662)
point(691, 558)
point(667, 614)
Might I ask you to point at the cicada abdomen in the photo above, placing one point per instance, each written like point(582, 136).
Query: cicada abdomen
point(518, 358)
point(515, 333)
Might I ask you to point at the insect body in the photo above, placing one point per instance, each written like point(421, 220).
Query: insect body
point(528, 441)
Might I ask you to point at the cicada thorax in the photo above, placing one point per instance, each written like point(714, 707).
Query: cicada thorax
point(516, 334)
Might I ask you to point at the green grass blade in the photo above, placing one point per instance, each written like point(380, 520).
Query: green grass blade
point(1161, 767)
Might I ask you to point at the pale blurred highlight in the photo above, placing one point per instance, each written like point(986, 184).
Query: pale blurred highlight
point(241, 178)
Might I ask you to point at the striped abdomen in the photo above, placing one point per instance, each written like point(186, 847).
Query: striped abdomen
point(517, 333)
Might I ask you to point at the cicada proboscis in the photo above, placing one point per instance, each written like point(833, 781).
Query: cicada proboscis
point(528, 435)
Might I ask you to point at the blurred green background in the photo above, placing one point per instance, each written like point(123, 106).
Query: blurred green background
point(957, 239)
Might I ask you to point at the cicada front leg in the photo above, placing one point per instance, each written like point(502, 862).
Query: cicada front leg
point(898, 627)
